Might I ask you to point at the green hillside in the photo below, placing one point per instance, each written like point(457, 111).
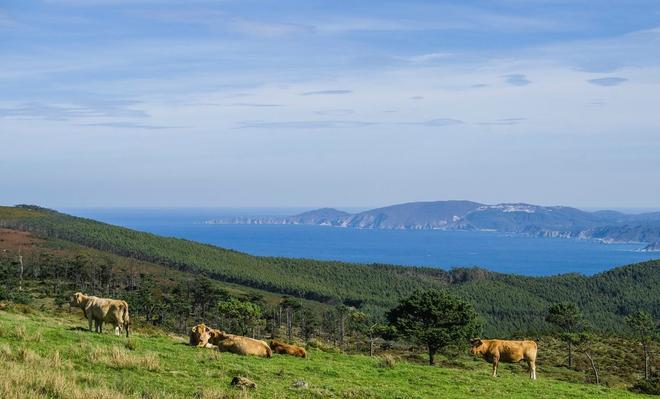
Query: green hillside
point(73, 363)
point(510, 304)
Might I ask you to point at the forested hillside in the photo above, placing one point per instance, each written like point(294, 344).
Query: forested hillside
point(509, 304)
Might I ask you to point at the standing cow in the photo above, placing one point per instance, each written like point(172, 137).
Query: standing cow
point(497, 350)
point(100, 310)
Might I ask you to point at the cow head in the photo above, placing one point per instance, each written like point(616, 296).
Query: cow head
point(77, 300)
point(199, 335)
point(478, 348)
point(215, 336)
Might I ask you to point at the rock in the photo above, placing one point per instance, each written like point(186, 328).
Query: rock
point(300, 384)
point(243, 383)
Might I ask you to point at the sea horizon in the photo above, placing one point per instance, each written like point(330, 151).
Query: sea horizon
point(494, 251)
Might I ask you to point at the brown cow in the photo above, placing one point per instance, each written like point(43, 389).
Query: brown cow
point(199, 335)
point(100, 310)
point(239, 345)
point(496, 350)
point(202, 335)
point(286, 349)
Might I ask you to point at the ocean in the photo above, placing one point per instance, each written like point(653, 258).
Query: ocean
point(505, 253)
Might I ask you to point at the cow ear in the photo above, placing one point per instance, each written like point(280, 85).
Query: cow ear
point(475, 342)
point(194, 329)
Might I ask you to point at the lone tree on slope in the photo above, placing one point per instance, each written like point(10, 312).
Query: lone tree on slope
point(434, 319)
point(645, 329)
point(568, 318)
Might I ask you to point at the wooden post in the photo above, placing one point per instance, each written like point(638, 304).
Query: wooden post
point(20, 262)
point(647, 365)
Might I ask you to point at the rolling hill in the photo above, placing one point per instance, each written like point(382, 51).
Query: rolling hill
point(510, 304)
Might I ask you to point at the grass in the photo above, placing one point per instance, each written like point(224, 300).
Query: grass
point(46, 355)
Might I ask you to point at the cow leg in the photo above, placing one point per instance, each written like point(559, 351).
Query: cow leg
point(495, 362)
point(532, 370)
point(89, 319)
point(116, 329)
point(100, 326)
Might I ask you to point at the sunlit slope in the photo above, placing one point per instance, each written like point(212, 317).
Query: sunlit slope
point(43, 355)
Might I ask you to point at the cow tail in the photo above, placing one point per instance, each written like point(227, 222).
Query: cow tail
point(269, 352)
point(126, 318)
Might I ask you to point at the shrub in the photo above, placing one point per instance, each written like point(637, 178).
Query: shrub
point(131, 345)
point(649, 387)
point(387, 361)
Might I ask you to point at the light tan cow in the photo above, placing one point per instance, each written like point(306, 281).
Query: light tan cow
point(201, 335)
point(499, 350)
point(100, 310)
point(239, 344)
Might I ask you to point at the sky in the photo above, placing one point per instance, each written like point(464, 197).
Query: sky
point(311, 103)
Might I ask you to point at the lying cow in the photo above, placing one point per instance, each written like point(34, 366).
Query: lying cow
point(286, 349)
point(199, 335)
point(202, 335)
point(496, 350)
point(100, 310)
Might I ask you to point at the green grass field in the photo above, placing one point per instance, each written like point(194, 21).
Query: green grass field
point(47, 355)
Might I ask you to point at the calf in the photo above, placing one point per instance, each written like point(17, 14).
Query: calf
point(286, 349)
point(496, 350)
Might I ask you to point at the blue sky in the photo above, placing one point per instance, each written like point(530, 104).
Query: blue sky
point(329, 103)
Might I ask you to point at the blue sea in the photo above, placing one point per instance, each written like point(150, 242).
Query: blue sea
point(444, 249)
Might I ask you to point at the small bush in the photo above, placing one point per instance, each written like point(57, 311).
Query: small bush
point(25, 355)
point(322, 346)
point(649, 387)
point(387, 361)
point(131, 345)
point(20, 297)
point(20, 333)
point(55, 359)
point(120, 358)
point(6, 352)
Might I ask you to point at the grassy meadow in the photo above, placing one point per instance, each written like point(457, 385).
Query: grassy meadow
point(50, 355)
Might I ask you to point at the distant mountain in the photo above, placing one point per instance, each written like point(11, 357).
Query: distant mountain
point(521, 218)
point(324, 216)
point(414, 215)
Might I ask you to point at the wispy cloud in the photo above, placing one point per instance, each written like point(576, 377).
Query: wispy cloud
point(131, 125)
point(434, 122)
point(608, 81)
point(429, 58)
point(335, 112)
point(36, 110)
point(328, 124)
point(266, 29)
point(516, 79)
point(503, 122)
point(253, 105)
point(597, 102)
point(326, 92)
